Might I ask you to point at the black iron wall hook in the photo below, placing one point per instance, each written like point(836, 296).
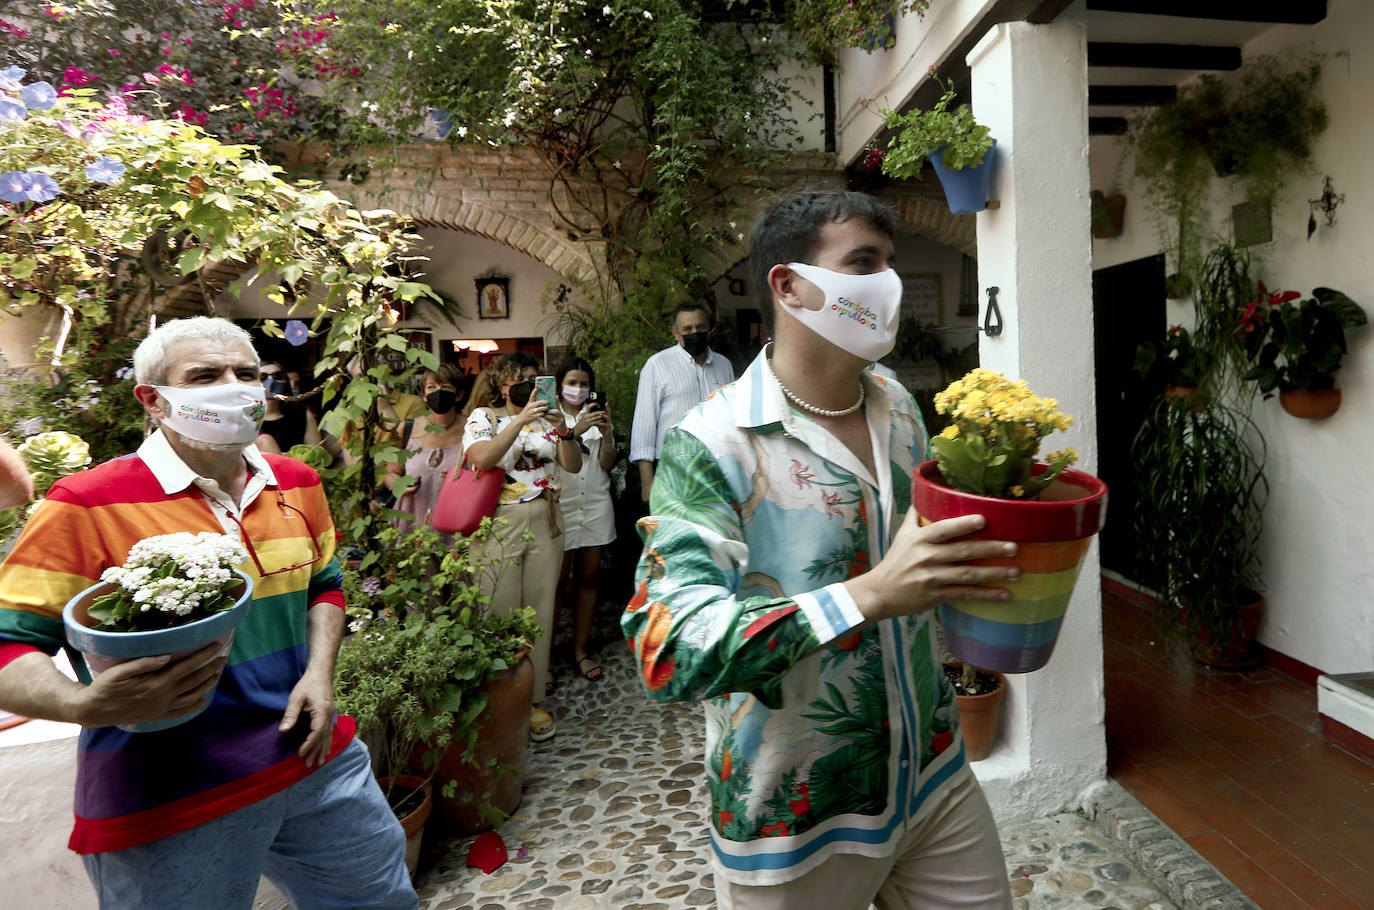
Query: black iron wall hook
point(990, 328)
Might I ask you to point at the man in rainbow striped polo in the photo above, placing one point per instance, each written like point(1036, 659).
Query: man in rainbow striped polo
point(267, 780)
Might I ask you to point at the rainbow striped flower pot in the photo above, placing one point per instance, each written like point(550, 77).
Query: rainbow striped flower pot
point(1052, 534)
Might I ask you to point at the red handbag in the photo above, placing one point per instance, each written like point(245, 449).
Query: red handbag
point(466, 497)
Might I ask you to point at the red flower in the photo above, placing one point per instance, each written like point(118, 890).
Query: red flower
point(777, 829)
point(801, 474)
point(941, 741)
point(799, 799)
point(725, 819)
point(767, 620)
point(831, 499)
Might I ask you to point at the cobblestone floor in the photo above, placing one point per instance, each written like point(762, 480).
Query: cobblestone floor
point(613, 819)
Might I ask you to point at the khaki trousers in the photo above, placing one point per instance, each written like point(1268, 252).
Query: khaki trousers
point(528, 573)
point(951, 860)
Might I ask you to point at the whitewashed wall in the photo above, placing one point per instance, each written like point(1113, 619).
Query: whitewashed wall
point(1318, 535)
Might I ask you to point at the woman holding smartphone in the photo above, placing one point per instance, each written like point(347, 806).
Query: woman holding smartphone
point(516, 435)
point(588, 517)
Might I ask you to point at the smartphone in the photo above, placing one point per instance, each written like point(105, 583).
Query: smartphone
point(545, 389)
point(596, 401)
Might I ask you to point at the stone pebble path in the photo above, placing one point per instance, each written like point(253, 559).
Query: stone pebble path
point(613, 818)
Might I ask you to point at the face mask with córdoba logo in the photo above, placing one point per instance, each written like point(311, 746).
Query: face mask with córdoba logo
point(224, 414)
point(860, 311)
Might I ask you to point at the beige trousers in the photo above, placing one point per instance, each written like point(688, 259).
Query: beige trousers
point(951, 860)
point(528, 573)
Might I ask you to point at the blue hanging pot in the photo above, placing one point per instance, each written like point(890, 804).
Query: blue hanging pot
point(966, 190)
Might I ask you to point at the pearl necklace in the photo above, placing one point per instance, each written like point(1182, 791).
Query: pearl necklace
point(821, 412)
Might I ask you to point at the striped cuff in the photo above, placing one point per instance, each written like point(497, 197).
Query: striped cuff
point(830, 610)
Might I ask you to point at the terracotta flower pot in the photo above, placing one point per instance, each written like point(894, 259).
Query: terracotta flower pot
point(978, 718)
point(1238, 651)
point(1052, 535)
point(1311, 405)
point(102, 650)
point(412, 818)
point(503, 733)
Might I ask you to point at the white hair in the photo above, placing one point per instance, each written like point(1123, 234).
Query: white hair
point(152, 358)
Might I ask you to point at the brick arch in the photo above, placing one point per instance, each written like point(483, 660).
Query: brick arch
point(569, 258)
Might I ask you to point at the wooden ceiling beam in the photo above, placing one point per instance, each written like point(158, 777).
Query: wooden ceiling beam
point(1163, 56)
point(1288, 12)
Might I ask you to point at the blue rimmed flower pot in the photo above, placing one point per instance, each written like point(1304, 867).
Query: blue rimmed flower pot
point(103, 650)
point(966, 190)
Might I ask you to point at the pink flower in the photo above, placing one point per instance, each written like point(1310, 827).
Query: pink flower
point(113, 52)
point(801, 474)
point(166, 68)
point(76, 77)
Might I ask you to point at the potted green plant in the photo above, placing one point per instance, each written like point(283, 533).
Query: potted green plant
point(1297, 347)
point(424, 659)
point(823, 26)
point(1258, 126)
point(958, 147)
point(985, 463)
point(1170, 364)
point(978, 695)
point(1202, 491)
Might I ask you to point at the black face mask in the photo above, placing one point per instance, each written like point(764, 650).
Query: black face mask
point(276, 386)
point(695, 343)
point(441, 401)
point(519, 394)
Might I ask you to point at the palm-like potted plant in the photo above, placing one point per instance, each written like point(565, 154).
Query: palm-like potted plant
point(1297, 347)
point(1200, 475)
point(958, 147)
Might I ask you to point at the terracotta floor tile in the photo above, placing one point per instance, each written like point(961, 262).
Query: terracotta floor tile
point(1181, 820)
point(1303, 881)
point(1133, 777)
point(1279, 899)
point(1357, 884)
point(1243, 872)
point(1189, 791)
point(1229, 823)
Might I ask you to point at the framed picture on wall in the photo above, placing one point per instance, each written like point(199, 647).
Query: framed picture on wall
point(923, 296)
point(493, 298)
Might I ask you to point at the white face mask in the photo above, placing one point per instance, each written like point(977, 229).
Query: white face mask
point(574, 395)
point(225, 414)
point(860, 311)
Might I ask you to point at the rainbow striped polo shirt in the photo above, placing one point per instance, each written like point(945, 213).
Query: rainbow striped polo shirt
point(133, 788)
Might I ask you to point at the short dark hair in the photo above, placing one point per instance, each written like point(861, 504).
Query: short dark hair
point(789, 231)
point(690, 306)
point(574, 363)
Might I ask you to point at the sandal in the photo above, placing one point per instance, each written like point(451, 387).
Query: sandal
point(592, 675)
point(542, 725)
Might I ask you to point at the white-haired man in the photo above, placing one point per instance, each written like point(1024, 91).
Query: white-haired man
point(264, 781)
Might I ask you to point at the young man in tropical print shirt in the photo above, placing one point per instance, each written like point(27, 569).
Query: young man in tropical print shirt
point(786, 582)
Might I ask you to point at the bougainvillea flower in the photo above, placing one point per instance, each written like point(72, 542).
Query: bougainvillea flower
point(11, 110)
point(38, 96)
point(105, 170)
point(488, 852)
point(296, 332)
point(28, 186)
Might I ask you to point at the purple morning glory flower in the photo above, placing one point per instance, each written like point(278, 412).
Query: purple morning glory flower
point(11, 110)
point(38, 96)
point(105, 170)
point(296, 332)
point(28, 186)
point(9, 78)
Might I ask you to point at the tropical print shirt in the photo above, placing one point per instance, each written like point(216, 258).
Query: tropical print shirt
point(531, 463)
point(821, 738)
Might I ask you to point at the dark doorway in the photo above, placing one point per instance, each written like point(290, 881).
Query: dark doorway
point(1128, 309)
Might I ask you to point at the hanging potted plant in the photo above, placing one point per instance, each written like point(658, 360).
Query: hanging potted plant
point(985, 463)
point(958, 147)
point(1200, 475)
point(1297, 347)
point(175, 593)
point(1108, 214)
point(1170, 364)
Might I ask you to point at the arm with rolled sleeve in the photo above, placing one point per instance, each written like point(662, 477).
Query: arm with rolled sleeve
point(692, 633)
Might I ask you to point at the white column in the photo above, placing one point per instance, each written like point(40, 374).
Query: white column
point(1030, 87)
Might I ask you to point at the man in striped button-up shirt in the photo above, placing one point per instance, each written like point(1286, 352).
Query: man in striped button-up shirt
point(671, 382)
